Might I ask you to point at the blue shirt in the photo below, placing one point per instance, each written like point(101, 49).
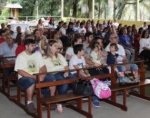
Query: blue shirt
point(125, 41)
point(6, 51)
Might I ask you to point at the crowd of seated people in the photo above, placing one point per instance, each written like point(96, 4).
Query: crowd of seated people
point(73, 45)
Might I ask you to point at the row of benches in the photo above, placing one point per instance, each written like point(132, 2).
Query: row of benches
point(48, 101)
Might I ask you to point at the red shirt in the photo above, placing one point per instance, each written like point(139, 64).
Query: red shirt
point(1, 39)
point(19, 49)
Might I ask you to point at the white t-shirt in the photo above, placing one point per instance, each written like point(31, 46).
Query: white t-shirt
point(69, 52)
point(51, 26)
point(90, 29)
point(63, 31)
point(56, 64)
point(144, 43)
point(116, 24)
point(82, 30)
point(76, 28)
point(6, 51)
point(121, 50)
point(29, 63)
point(75, 61)
point(95, 58)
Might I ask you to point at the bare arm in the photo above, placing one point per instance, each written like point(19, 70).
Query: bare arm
point(25, 74)
point(82, 73)
point(42, 70)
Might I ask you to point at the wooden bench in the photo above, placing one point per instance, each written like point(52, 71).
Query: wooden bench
point(7, 78)
point(48, 101)
point(115, 87)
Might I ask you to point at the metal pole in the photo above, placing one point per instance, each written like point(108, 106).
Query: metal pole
point(62, 9)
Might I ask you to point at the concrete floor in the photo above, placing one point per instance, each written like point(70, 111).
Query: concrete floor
point(137, 108)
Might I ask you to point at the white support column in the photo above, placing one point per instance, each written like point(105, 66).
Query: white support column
point(11, 12)
point(137, 10)
point(37, 9)
point(93, 9)
point(62, 9)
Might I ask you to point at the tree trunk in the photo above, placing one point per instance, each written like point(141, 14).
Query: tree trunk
point(114, 12)
point(75, 3)
point(33, 8)
point(120, 11)
point(89, 15)
point(99, 9)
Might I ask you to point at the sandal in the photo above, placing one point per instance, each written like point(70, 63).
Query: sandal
point(59, 108)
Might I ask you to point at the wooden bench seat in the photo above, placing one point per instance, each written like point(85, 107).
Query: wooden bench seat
point(60, 98)
point(7, 79)
point(118, 87)
point(115, 87)
point(48, 101)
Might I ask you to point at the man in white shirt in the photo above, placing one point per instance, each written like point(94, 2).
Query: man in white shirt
point(63, 29)
point(27, 64)
point(121, 50)
point(8, 47)
point(82, 29)
point(121, 58)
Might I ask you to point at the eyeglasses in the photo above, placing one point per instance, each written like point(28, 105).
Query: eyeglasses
point(114, 37)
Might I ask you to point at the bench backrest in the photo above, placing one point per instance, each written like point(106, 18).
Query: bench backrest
point(111, 75)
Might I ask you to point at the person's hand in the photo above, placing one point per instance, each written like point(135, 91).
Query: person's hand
point(33, 76)
point(66, 74)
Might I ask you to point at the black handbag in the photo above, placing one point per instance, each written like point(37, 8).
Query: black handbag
point(83, 87)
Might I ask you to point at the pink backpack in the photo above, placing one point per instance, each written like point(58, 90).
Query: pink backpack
point(101, 89)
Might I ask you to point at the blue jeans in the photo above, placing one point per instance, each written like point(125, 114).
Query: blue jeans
point(62, 89)
point(122, 68)
point(25, 82)
point(132, 67)
point(46, 91)
point(95, 98)
point(72, 86)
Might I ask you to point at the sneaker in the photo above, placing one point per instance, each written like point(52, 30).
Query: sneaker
point(96, 104)
point(31, 108)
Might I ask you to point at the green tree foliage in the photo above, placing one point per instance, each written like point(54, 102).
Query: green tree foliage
point(2, 3)
point(73, 8)
point(28, 7)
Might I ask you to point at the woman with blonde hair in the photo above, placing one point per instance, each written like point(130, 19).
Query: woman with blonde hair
point(55, 61)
